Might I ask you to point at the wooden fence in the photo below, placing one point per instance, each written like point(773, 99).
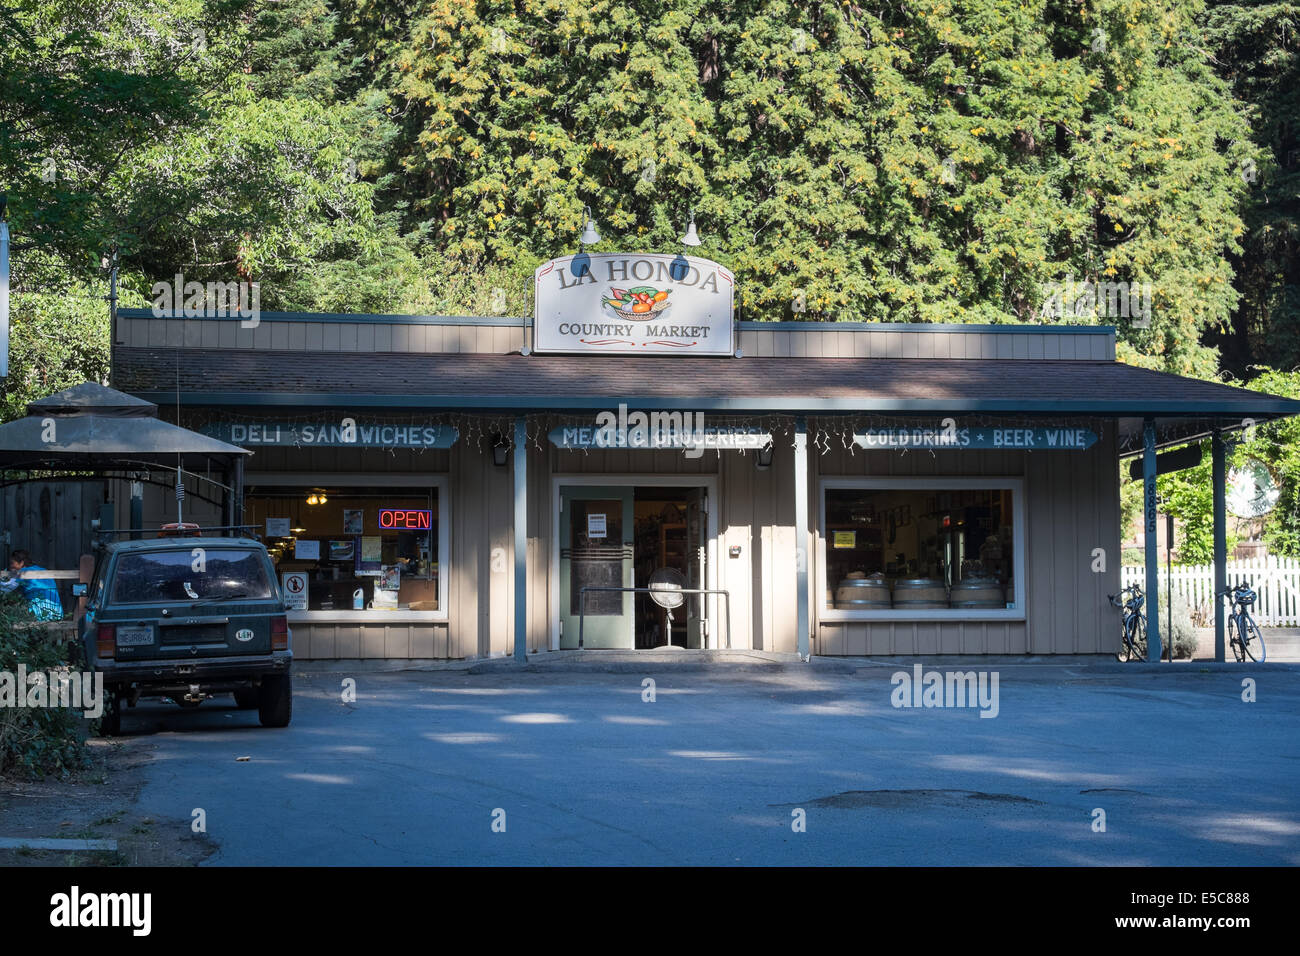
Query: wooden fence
point(1276, 580)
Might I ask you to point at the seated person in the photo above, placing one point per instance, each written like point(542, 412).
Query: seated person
point(41, 594)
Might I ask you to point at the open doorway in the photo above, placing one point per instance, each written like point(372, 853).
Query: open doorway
point(667, 535)
point(613, 536)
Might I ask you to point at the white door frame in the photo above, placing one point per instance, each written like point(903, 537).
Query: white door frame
point(710, 485)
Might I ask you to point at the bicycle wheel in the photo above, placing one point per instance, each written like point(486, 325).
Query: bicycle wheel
point(1137, 640)
point(1234, 638)
point(1254, 643)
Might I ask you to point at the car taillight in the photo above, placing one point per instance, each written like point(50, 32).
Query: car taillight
point(106, 640)
point(279, 633)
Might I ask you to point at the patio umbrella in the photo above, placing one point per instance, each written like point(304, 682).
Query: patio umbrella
point(91, 426)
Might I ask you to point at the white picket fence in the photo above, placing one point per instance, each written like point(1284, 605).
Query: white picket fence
point(1276, 580)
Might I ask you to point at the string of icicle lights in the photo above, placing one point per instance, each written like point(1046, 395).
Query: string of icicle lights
point(482, 431)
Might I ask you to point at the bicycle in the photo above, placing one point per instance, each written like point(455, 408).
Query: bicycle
point(1243, 632)
point(1134, 646)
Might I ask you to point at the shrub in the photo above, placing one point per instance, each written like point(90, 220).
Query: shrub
point(1181, 616)
point(36, 741)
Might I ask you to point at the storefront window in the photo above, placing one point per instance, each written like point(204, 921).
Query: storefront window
point(903, 548)
point(350, 548)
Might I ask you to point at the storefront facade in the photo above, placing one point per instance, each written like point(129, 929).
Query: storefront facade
point(854, 489)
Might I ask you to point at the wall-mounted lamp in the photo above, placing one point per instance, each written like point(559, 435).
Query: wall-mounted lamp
point(764, 457)
point(589, 234)
point(499, 450)
point(691, 238)
point(317, 497)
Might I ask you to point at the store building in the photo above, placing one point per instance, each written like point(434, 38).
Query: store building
point(444, 487)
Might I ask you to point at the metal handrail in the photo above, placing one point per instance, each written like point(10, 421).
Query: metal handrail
point(582, 603)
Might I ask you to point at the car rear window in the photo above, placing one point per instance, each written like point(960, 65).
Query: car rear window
point(217, 574)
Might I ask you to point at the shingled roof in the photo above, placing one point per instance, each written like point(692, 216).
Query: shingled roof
point(465, 382)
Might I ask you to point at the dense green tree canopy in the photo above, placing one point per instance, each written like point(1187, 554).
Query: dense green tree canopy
point(939, 161)
point(945, 160)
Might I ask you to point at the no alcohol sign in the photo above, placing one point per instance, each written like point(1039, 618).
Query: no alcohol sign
point(295, 590)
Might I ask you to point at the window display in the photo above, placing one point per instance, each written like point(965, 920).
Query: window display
point(919, 549)
point(355, 554)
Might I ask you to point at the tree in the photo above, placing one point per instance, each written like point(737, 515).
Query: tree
point(147, 134)
point(1256, 50)
point(932, 162)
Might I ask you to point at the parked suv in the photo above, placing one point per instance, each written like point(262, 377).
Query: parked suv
point(188, 615)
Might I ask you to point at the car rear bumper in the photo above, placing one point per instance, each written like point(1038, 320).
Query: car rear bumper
point(226, 673)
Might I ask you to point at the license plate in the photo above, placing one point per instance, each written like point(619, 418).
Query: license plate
point(134, 636)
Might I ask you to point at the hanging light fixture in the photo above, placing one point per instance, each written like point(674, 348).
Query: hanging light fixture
point(691, 238)
point(589, 234)
point(317, 497)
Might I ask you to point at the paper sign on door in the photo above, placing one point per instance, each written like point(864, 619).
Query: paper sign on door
point(596, 525)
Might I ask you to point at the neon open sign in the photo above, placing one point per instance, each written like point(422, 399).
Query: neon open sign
point(404, 518)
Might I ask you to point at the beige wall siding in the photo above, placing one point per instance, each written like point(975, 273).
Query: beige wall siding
point(783, 339)
point(768, 511)
point(326, 641)
point(480, 607)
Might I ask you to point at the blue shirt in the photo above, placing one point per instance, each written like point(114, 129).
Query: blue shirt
point(41, 594)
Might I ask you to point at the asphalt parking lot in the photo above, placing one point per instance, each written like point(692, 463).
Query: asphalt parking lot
point(556, 767)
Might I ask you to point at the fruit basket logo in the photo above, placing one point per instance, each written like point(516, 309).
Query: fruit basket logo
point(638, 304)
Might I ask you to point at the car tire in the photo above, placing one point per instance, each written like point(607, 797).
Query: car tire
point(275, 705)
point(110, 723)
point(248, 698)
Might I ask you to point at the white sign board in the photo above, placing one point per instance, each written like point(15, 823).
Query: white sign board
point(294, 584)
point(633, 304)
point(277, 527)
point(595, 525)
point(306, 549)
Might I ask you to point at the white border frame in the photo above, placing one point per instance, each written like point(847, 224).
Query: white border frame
point(396, 480)
point(710, 485)
point(927, 483)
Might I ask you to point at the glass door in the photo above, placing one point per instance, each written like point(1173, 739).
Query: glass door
point(596, 529)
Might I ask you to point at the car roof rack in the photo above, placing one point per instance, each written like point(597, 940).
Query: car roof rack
point(174, 530)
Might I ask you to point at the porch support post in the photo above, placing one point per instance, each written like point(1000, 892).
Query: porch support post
point(521, 539)
point(1218, 451)
point(1152, 545)
point(801, 535)
point(237, 493)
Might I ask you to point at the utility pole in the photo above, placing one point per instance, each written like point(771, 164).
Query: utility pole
point(110, 262)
